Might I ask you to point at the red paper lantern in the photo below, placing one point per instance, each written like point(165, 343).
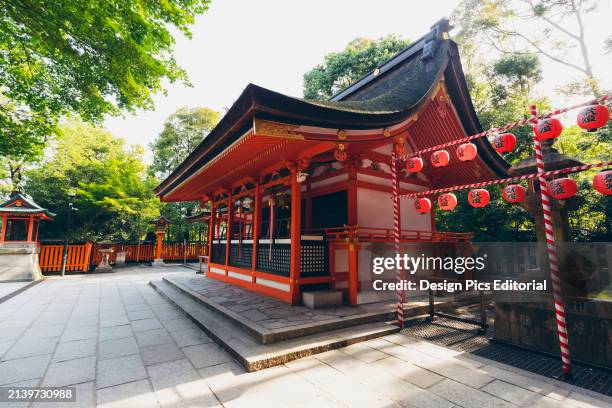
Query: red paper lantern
point(562, 188)
point(603, 182)
point(447, 201)
point(549, 128)
point(504, 143)
point(593, 117)
point(440, 158)
point(414, 165)
point(467, 152)
point(422, 205)
point(514, 193)
point(479, 197)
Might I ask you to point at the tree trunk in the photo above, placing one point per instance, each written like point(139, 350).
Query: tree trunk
point(15, 175)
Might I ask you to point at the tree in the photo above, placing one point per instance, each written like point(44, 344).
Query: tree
point(183, 131)
point(340, 69)
point(88, 58)
point(113, 191)
point(557, 26)
point(501, 92)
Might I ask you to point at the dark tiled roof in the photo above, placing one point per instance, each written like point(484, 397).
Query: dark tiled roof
point(28, 206)
point(384, 97)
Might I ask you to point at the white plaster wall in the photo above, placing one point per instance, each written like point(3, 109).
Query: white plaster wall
point(375, 209)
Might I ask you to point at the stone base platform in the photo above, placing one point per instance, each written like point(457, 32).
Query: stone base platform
point(262, 332)
point(19, 262)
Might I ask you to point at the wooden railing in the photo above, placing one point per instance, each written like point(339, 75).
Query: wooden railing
point(83, 257)
point(78, 258)
point(369, 234)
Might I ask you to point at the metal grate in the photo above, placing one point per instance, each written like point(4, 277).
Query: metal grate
point(242, 258)
point(464, 337)
point(280, 261)
point(314, 258)
point(218, 253)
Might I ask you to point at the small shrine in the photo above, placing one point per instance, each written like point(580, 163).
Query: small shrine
point(20, 220)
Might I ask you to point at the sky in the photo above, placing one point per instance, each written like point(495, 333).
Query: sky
point(272, 43)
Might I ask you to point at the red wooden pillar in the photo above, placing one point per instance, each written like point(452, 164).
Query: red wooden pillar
point(158, 249)
point(308, 202)
point(228, 228)
point(211, 228)
point(352, 193)
point(296, 240)
point(3, 230)
point(353, 275)
point(30, 227)
point(256, 228)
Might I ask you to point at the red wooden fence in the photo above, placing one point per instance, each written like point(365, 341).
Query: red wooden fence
point(77, 260)
point(83, 256)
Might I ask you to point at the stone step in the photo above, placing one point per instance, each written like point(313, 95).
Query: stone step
point(268, 336)
point(254, 355)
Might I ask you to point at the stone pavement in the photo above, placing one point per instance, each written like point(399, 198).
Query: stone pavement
point(8, 289)
point(122, 345)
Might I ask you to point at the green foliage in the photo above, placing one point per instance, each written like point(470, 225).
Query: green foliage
point(90, 58)
point(183, 131)
point(501, 93)
point(113, 191)
point(340, 69)
point(513, 27)
point(180, 228)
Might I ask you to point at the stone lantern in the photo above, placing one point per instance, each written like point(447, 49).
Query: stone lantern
point(104, 265)
point(527, 319)
point(161, 226)
point(553, 160)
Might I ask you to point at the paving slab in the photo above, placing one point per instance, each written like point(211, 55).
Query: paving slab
point(70, 372)
point(115, 332)
point(117, 348)
point(153, 337)
point(75, 349)
point(23, 369)
point(28, 347)
point(120, 370)
point(161, 353)
point(137, 394)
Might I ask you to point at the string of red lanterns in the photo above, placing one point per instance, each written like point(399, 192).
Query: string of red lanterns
point(478, 197)
point(590, 118)
point(594, 121)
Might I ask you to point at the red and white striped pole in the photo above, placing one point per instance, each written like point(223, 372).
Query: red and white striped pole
point(552, 255)
point(396, 237)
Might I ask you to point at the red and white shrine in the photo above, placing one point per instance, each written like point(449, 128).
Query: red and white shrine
point(300, 191)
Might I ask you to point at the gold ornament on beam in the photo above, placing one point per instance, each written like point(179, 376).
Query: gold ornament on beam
point(340, 152)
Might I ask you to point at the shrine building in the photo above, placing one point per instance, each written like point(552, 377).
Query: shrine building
point(300, 190)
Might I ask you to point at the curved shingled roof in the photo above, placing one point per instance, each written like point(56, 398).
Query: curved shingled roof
point(19, 203)
point(386, 96)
